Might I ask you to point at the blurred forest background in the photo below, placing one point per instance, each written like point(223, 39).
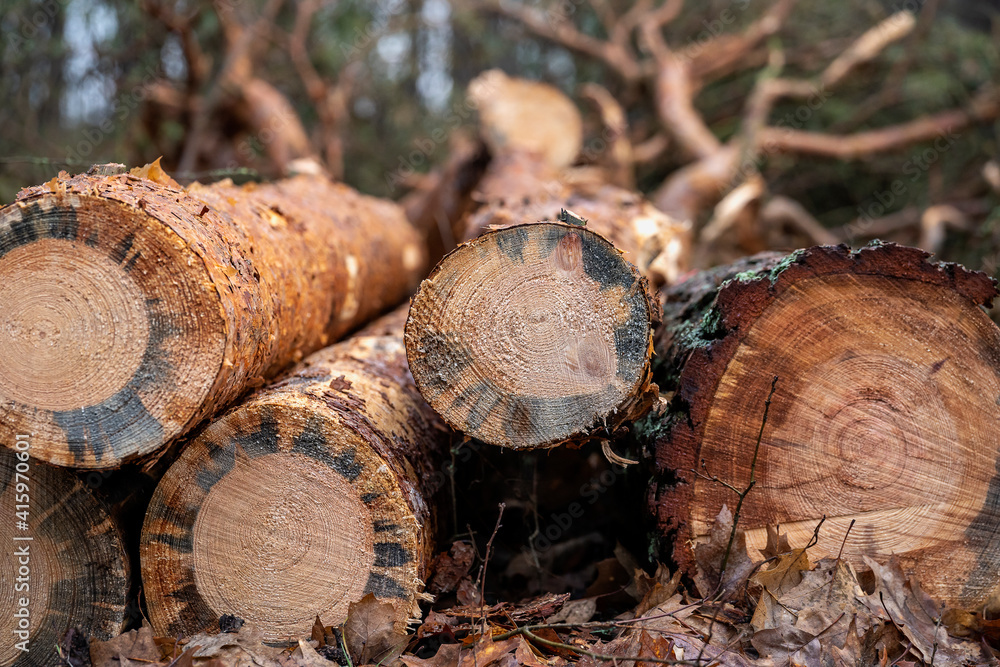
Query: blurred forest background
point(776, 122)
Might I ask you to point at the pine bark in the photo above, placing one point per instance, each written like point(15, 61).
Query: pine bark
point(309, 495)
point(131, 309)
point(64, 564)
point(519, 188)
point(885, 411)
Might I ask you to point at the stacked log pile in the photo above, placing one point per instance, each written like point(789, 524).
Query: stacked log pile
point(136, 311)
point(132, 310)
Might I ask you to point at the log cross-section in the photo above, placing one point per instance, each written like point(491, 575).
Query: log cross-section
point(313, 493)
point(532, 335)
point(886, 411)
point(62, 565)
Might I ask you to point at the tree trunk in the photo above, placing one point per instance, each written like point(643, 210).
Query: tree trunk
point(63, 566)
point(130, 309)
point(301, 500)
point(885, 411)
point(439, 206)
point(532, 335)
point(519, 188)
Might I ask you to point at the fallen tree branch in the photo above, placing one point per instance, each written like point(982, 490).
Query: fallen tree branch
point(674, 98)
point(235, 70)
point(330, 101)
point(986, 107)
point(728, 53)
point(618, 150)
point(557, 29)
point(783, 209)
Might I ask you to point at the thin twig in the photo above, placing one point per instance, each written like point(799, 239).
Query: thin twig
point(906, 649)
point(833, 575)
point(844, 542)
point(937, 625)
point(486, 562)
point(599, 656)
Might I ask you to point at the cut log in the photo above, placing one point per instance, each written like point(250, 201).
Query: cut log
point(517, 115)
point(311, 494)
point(130, 309)
point(885, 411)
point(534, 134)
point(438, 207)
point(532, 335)
point(518, 188)
point(63, 566)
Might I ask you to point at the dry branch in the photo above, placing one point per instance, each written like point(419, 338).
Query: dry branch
point(936, 127)
point(559, 30)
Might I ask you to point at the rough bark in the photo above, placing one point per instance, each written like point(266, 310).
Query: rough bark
point(309, 495)
point(885, 411)
point(529, 335)
point(66, 561)
point(518, 188)
point(438, 208)
point(532, 335)
point(132, 309)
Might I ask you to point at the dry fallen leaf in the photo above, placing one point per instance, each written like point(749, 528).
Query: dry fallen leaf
point(784, 575)
point(776, 580)
point(308, 657)
point(675, 628)
point(448, 655)
point(575, 611)
point(777, 543)
point(483, 653)
point(133, 645)
point(450, 568)
point(468, 593)
point(663, 588)
point(787, 645)
point(229, 649)
point(374, 631)
point(319, 632)
point(902, 602)
point(709, 557)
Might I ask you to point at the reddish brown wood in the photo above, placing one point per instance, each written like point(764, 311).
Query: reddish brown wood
point(885, 410)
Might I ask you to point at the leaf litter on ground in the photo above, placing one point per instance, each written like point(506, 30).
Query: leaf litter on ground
point(783, 611)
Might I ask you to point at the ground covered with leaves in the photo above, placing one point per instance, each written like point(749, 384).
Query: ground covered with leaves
point(785, 610)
